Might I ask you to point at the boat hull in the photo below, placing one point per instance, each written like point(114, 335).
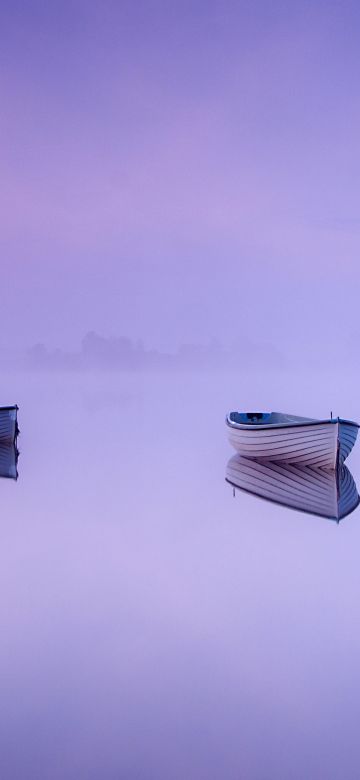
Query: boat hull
point(326, 493)
point(347, 438)
point(8, 424)
point(321, 445)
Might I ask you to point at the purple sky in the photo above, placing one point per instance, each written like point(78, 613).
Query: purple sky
point(179, 171)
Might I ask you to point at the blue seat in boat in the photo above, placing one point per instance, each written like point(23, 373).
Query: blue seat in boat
point(250, 418)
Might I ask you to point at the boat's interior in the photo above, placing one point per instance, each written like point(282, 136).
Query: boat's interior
point(265, 418)
point(250, 418)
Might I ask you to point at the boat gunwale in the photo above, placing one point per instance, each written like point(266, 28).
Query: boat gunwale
point(296, 424)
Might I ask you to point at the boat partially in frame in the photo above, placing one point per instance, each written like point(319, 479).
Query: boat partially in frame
point(9, 429)
point(285, 438)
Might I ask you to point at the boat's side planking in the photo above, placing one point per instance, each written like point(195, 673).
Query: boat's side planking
point(347, 437)
point(313, 445)
point(8, 424)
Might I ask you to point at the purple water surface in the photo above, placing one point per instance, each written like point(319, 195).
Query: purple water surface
point(152, 625)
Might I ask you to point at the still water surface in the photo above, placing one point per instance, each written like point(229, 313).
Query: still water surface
point(152, 625)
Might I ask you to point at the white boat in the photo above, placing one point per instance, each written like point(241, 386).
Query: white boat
point(329, 494)
point(285, 438)
point(8, 424)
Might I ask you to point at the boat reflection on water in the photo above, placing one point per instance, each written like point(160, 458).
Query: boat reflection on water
point(330, 494)
point(9, 454)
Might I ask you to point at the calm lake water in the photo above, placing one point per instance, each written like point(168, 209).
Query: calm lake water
point(152, 625)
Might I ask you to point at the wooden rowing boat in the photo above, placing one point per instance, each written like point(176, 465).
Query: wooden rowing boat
point(8, 424)
point(284, 438)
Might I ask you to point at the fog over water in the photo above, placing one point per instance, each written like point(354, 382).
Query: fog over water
point(179, 237)
point(152, 625)
point(180, 172)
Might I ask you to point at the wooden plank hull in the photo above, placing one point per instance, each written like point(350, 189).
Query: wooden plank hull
point(8, 424)
point(347, 438)
point(323, 445)
point(329, 494)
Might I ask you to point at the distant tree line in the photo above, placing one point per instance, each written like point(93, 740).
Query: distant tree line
point(121, 353)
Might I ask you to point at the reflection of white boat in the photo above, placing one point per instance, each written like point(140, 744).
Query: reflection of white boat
point(285, 438)
point(330, 494)
point(8, 424)
point(8, 461)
